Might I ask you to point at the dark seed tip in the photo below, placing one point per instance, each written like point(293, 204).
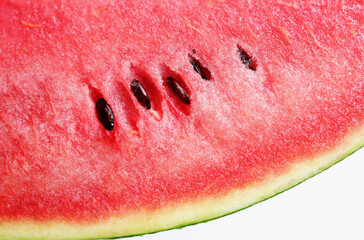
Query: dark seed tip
point(105, 114)
point(203, 71)
point(246, 59)
point(178, 90)
point(140, 94)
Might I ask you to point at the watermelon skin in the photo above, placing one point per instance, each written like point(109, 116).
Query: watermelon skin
point(156, 169)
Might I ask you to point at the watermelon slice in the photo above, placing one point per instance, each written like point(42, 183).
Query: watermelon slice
point(121, 118)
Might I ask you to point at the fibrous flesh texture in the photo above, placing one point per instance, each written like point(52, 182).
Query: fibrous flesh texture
point(265, 95)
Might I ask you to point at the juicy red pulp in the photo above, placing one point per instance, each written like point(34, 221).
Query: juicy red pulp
point(58, 59)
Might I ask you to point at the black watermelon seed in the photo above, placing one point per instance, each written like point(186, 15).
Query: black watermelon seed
point(246, 59)
point(178, 90)
point(140, 94)
point(105, 114)
point(204, 72)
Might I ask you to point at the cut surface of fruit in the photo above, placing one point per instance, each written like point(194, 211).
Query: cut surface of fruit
point(121, 118)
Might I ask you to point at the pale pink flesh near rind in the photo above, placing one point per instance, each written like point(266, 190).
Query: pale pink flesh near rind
point(179, 214)
point(56, 60)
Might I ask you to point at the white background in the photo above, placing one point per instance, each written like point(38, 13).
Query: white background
point(327, 206)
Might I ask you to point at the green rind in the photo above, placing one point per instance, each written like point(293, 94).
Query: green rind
point(203, 210)
point(208, 220)
point(262, 200)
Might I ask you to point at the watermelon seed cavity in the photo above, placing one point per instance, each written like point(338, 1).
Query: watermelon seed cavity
point(178, 90)
point(204, 72)
point(140, 94)
point(105, 114)
point(246, 59)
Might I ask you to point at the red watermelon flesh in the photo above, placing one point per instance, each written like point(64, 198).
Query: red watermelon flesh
point(275, 90)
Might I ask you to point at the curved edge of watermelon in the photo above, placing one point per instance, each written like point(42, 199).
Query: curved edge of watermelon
point(184, 214)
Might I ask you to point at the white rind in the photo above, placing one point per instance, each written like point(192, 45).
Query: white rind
point(177, 215)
